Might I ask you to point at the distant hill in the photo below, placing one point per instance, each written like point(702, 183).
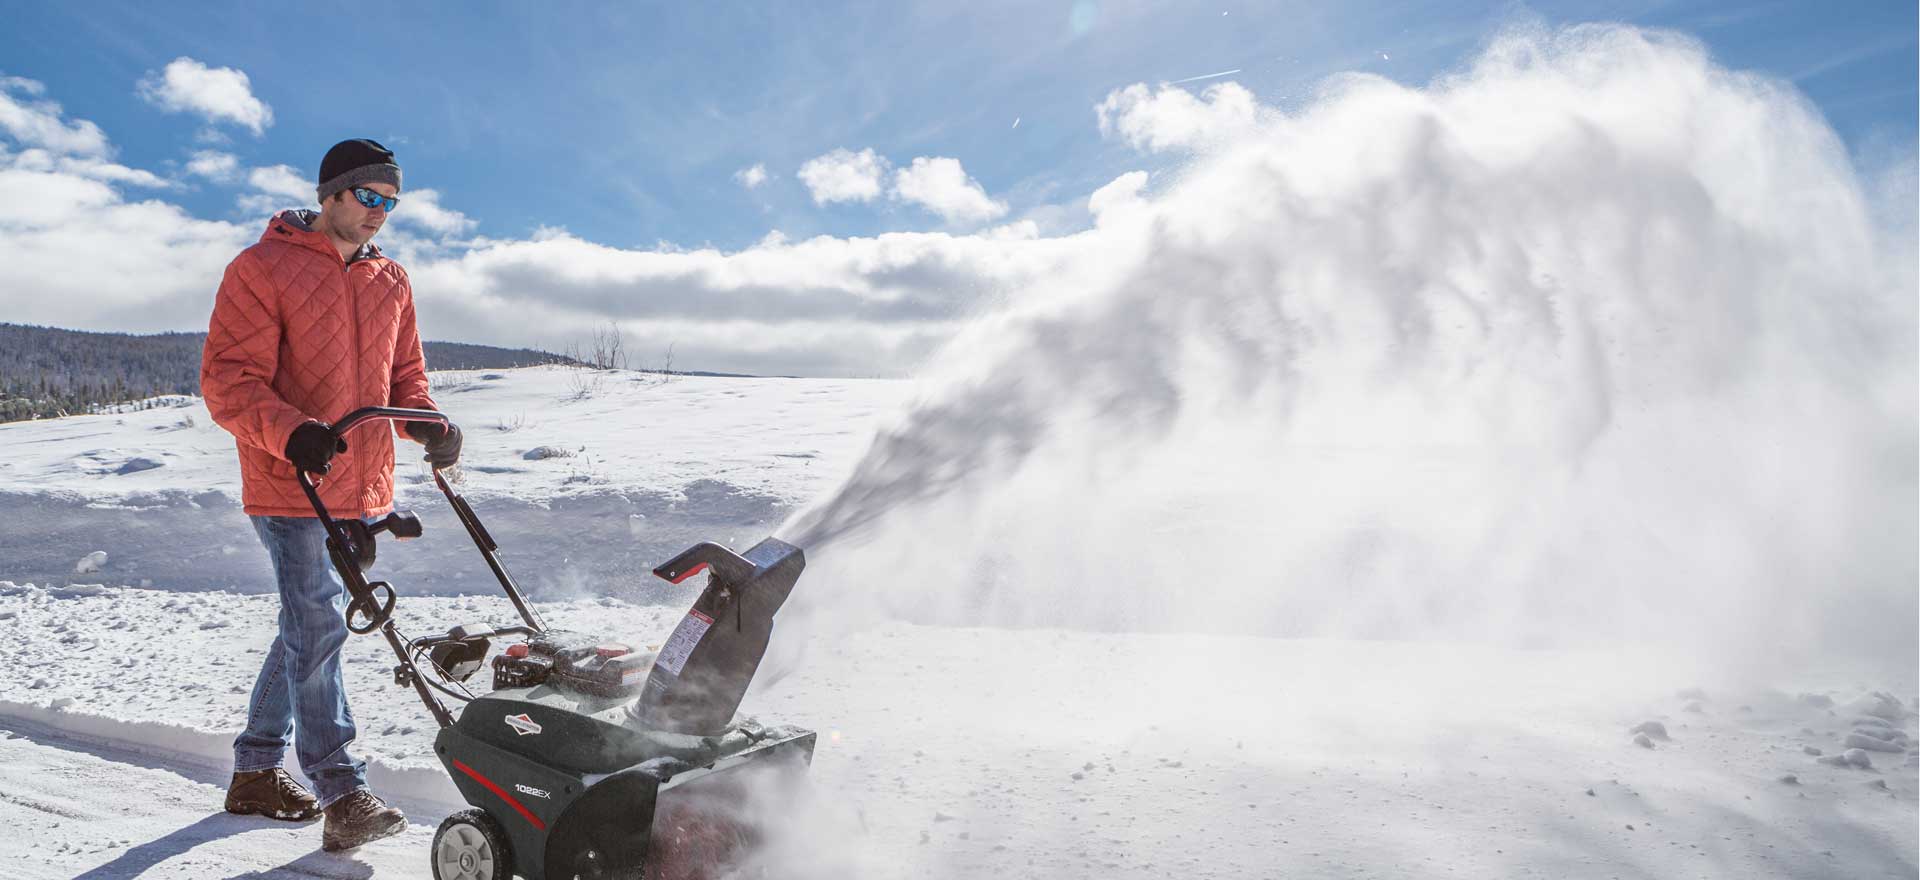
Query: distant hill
point(465, 356)
point(47, 372)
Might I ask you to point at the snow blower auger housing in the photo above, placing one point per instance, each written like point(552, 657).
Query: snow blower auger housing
point(588, 759)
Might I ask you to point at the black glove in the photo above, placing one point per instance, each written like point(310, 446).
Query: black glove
point(312, 446)
point(442, 442)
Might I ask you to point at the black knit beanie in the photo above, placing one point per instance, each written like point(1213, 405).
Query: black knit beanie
point(356, 162)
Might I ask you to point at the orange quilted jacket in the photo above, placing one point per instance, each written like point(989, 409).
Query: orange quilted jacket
point(300, 335)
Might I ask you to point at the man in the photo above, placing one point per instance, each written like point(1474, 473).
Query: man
point(311, 323)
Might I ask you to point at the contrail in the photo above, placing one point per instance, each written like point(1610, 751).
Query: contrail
point(1208, 76)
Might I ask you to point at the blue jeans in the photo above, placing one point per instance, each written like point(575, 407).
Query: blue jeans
point(300, 695)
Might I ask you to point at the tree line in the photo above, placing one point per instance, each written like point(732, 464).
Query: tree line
point(48, 372)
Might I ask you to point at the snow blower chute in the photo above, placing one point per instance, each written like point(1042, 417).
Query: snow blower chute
point(588, 758)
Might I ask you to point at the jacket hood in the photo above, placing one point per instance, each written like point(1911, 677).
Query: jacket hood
point(296, 225)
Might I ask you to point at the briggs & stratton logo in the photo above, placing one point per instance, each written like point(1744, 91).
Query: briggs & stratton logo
point(521, 724)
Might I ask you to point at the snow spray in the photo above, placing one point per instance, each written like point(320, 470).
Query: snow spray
point(1590, 340)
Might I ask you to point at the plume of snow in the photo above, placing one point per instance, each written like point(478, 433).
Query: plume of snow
point(1591, 341)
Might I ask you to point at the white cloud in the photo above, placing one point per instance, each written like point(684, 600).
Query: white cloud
point(844, 176)
point(1172, 118)
point(100, 169)
point(54, 145)
point(214, 165)
point(283, 181)
point(74, 253)
point(31, 87)
point(825, 305)
point(751, 177)
point(33, 122)
point(421, 208)
point(942, 186)
point(217, 94)
point(85, 166)
point(31, 198)
point(276, 188)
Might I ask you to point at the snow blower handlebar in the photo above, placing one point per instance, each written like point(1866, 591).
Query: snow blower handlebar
point(488, 549)
point(390, 413)
point(350, 543)
point(352, 548)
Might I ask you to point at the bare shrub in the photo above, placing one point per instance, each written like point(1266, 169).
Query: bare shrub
point(606, 350)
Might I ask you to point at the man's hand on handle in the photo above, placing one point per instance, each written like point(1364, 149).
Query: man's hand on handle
point(312, 446)
point(442, 442)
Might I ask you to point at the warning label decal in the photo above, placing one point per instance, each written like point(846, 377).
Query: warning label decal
point(680, 645)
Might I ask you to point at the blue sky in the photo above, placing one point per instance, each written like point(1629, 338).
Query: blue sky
point(626, 123)
point(621, 133)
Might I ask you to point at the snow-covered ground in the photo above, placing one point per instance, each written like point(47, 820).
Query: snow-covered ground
point(944, 751)
point(586, 478)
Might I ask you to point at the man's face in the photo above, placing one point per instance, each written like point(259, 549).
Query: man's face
point(352, 221)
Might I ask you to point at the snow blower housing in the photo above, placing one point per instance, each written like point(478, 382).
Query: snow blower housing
point(587, 757)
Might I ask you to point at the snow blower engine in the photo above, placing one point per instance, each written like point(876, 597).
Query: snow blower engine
point(588, 758)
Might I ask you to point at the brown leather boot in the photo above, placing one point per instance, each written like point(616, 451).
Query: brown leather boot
point(359, 818)
point(271, 793)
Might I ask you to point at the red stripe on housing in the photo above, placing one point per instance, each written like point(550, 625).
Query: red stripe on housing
point(689, 573)
point(511, 802)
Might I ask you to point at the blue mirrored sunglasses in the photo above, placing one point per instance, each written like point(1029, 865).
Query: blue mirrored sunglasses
point(375, 200)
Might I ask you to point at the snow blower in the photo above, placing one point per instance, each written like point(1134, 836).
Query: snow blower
point(589, 759)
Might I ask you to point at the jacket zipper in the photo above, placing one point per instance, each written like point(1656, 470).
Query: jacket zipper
point(353, 333)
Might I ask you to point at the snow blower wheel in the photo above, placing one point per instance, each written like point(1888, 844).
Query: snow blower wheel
point(471, 846)
point(588, 759)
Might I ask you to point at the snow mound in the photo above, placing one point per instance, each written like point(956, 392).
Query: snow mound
point(1858, 740)
point(1856, 758)
point(1880, 704)
point(1653, 729)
